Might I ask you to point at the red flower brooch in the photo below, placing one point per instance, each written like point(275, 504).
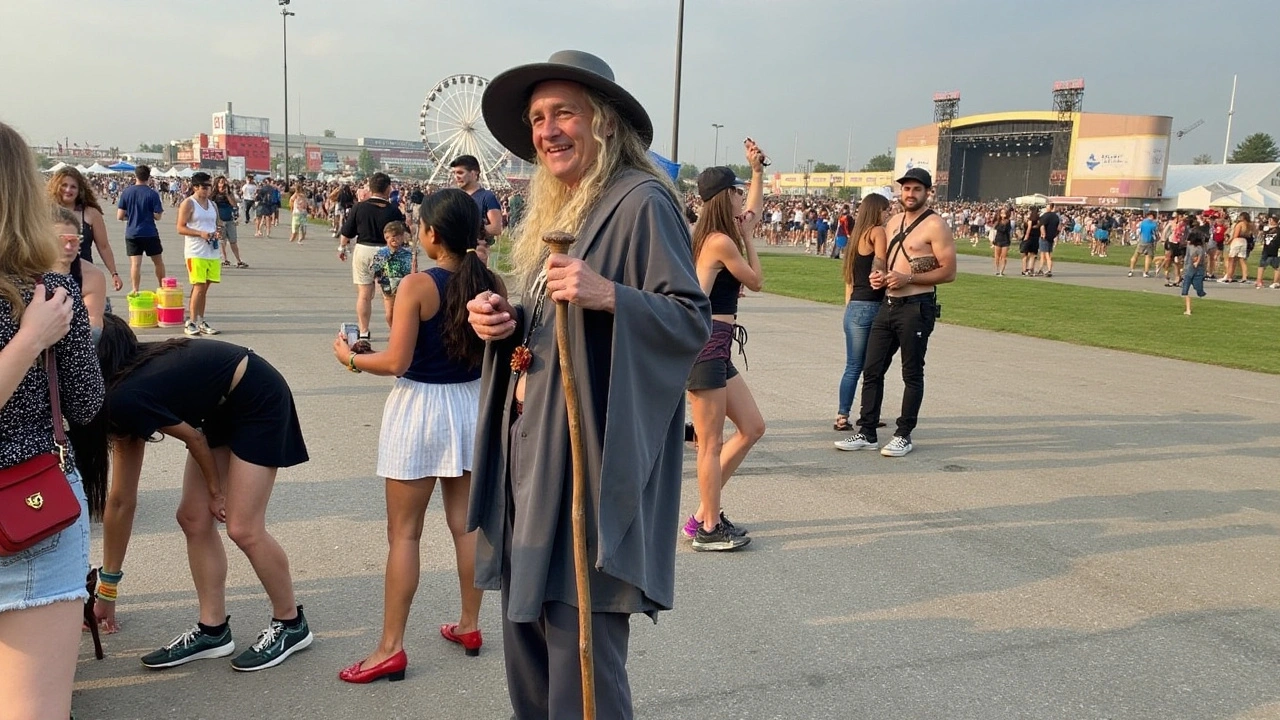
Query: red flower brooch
point(521, 359)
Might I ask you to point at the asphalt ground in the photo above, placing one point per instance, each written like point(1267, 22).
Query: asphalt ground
point(1080, 533)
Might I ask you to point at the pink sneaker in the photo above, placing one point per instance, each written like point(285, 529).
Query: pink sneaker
point(690, 528)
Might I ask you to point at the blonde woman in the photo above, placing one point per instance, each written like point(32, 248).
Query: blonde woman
point(725, 259)
point(42, 588)
point(1238, 249)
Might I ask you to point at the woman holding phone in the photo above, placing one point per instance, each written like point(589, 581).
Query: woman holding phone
point(429, 422)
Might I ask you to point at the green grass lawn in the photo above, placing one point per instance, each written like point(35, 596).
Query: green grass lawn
point(1236, 335)
point(1118, 255)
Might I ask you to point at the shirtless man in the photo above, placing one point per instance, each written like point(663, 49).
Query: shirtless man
point(918, 237)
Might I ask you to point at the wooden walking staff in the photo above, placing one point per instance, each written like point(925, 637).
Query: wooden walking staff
point(560, 242)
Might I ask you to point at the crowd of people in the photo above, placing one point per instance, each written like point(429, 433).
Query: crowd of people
point(648, 295)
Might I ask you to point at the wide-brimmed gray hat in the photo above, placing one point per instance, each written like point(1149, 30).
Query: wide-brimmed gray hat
point(507, 97)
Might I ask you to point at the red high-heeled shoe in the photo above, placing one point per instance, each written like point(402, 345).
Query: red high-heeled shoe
point(392, 669)
point(470, 642)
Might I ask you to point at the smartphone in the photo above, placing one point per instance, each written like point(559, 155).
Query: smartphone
point(351, 332)
point(764, 160)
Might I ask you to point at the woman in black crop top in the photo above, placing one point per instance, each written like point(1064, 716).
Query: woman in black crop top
point(862, 301)
point(725, 259)
point(235, 414)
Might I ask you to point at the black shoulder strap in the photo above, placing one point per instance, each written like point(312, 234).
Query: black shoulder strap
point(895, 245)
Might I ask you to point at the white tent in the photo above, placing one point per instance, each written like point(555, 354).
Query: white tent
point(1036, 199)
point(1255, 198)
point(1191, 187)
point(1201, 197)
point(57, 167)
point(83, 169)
point(185, 173)
point(98, 169)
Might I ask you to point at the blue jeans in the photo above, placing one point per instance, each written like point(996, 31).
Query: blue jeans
point(1193, 278)
point(858, 315)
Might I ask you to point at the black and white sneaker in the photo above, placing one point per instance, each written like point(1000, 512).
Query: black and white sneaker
point(719, 540)
point(857, 442)
point(730, 528)
point(191, 645)
point(274, 645)
point(897, 447)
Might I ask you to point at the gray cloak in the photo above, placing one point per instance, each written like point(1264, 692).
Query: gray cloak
point(631, 368)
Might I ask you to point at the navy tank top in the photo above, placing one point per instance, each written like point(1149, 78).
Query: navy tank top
point(431, 364)
point(724, 293)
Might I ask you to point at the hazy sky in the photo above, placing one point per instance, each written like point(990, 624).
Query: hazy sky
point(120, 72)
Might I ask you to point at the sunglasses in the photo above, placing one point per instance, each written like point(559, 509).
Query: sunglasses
point(70, 237)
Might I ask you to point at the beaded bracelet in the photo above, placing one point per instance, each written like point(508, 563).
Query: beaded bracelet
point(107, 582)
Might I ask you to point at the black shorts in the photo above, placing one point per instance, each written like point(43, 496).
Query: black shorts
point(1178, 249)
point(150, 246)
point(258, 419)
point(711, 374)
point(714, 367)
point(1029, 247)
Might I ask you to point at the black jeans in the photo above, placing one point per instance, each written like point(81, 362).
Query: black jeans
point(905, 326)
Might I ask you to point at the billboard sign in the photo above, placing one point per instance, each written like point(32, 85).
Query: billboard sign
point(235, 167)
point(225, 123)
point(906, 158)
point(1138, 158)
point(315, 161)
point(387, 144)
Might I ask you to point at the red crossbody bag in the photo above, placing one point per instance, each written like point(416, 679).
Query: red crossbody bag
point(36, 501)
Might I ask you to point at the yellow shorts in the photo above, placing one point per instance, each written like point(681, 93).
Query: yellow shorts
point(204, 270)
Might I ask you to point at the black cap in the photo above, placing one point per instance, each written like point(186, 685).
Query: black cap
point(715, 180)
point(920, 175)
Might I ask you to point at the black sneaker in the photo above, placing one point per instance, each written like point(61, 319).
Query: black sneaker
point(191, 645)
point(274, 646)
point(719, 540)
point(730, 528)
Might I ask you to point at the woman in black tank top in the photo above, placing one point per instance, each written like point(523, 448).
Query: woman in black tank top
point(68, 188)
point(725, 259)
point(869, 244)
point(1030, 245)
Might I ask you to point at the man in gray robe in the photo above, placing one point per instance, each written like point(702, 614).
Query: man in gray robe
point(637, 320)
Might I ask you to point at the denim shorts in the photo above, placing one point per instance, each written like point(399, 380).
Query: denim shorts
point(50, 571)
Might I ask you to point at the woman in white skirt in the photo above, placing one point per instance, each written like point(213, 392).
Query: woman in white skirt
point(429, 423)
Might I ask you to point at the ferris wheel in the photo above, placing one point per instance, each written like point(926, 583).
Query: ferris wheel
point(451, 124)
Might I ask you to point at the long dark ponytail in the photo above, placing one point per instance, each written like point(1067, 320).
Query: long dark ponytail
point(454, 217)
point(119, 353)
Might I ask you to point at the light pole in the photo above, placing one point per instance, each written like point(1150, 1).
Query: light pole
point(284, 22)
point(808, 168)
point(715, 158)
point(675, 120)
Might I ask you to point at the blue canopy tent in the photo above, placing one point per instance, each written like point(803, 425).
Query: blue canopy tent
point(672, 168)
point(122, 166)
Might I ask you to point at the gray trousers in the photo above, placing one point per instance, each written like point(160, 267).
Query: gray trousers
point(544, 677)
